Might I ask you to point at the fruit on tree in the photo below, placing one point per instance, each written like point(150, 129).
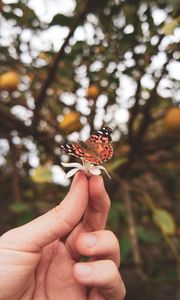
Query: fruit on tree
point(71, 122)
point(9, 80)
point(172, 119)
point(93, 91)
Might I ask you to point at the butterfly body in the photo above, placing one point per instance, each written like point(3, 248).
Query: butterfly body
point(96, 150)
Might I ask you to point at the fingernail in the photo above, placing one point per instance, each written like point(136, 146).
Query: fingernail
point(83, 269)
point(90, 240)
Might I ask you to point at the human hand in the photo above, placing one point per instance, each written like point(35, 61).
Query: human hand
point(40, 260)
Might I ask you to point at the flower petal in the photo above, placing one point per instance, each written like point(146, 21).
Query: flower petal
point(73, 164)
point(103, 168)
point(95, 171)
point(71, 173)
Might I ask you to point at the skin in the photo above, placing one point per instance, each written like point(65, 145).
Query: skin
point(40, 260)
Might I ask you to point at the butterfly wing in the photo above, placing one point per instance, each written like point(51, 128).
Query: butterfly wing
point(100, 145)
point(73, 149)
point(96, 150)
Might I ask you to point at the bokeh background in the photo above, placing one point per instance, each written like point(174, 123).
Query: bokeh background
point(67, 68)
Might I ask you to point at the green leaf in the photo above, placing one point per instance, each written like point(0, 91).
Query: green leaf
point(126, 247)
point(19, 207)
point(147, 236)
point(116, 215)
point(115, 164)
point(173, 2)
point(165, 221)
point(62, 20)
point(42, 175)
point(26, 217)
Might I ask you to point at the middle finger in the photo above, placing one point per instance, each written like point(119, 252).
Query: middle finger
point(102, 244)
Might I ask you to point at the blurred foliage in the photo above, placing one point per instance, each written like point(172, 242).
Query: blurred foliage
point(117, 66)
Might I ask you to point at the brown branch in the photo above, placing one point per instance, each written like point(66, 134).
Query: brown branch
point(16, 186)
point(52, 70)
point(164, 142)
point(149, 103)
point(125, 195)
point(131, 224)
point(148, 201)
point(11, 122)
point(134, 111)
point(135, 108)
point(146, 148)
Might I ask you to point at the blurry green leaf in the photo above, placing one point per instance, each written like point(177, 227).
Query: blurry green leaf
point(125, 244)
point(42, 205)
point(115, 164)
point(18, 207)
point(25, 217)
point(173, 1)
point(78, 47)
point(147, 236)
point(62, 20)
point(164, 220)
point(169, 27)
point(116, 214)
point(42, 175)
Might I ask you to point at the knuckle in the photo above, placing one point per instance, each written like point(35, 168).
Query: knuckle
point(59, 212)
point(115, 278)
point(112, 268)
point(113, 275)
point(56, 210)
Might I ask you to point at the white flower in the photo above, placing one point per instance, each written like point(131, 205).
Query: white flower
point(87, 168)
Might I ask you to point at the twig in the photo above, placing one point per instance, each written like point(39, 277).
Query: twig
point(52, 70)
point(134, 111)
point(124, 192)
point(151, 205)
point(160, 143)
point(174, 251)
point(11, 122)
point(16, 186)
point(149, 103)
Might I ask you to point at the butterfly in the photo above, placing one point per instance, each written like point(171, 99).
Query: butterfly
point(96, 150)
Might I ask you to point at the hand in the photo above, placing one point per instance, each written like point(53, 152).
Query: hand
point(40, 260)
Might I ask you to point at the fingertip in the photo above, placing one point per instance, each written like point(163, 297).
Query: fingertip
point(96, 183)
point(82, 270)
point(85, 243)
point(79, 178)
point(98, 193)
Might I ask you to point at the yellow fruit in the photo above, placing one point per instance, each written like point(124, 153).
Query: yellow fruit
point(93, 91)
point(71, 122)
point(172, 119)
point(9, 81)
point(75, 127)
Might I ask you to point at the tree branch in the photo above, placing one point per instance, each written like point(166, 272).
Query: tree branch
point(16, 186)
point(134, 111)
point(149, 103)
point(11, 122)
point(52, 70)
point(125, 195)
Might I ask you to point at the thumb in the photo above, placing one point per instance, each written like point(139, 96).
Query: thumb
point(54, 224)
